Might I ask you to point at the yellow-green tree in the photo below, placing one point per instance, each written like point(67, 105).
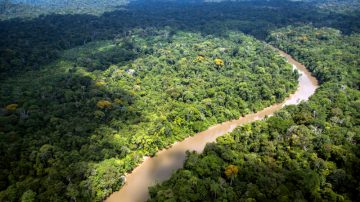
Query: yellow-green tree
point(231, 172)
point(11, 107)
point(103, 104)
point(199, 59)
point(219, 62)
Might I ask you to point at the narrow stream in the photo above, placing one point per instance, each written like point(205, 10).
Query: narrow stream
point(159, 168)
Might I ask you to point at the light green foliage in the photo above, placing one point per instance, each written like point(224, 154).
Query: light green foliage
point(28, 196)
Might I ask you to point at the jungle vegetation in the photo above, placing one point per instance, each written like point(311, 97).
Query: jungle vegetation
point(308, 152)
point(86, 119)
point(84, 97)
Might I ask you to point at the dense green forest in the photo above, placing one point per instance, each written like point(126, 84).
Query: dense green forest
point(308, 152)
point(85, 95)
point(83, 121)
point(29, 44)
point(10, 9)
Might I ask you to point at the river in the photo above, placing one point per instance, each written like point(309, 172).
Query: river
point(159, 168)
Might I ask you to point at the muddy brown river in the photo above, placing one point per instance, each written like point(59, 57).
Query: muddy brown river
point(159, 168)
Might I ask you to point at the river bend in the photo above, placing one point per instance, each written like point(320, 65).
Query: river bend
point(159, 168)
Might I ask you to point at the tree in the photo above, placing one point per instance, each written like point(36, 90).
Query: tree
point(28, 196)
point(231, 171)
point(11, 107)
point(219, 62)
point(103, 104)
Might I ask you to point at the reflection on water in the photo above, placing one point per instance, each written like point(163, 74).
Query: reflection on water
point(160, 168)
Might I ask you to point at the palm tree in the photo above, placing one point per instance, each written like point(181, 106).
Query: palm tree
point(231, 172)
